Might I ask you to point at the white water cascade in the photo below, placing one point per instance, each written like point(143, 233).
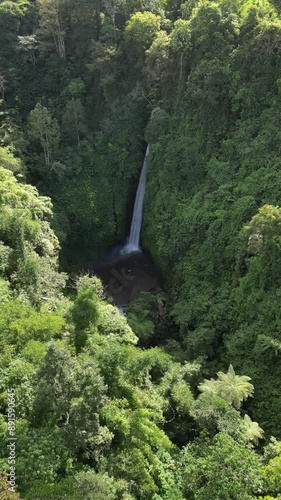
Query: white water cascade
point(134, 238)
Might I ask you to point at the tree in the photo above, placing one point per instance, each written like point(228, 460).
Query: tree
point(29, 253)
point(187, 8)
point(84, 314)
point(253, 430)
point(2, 87)
point(88, 485)
point(5, 491)
point(70, 395)
point(220, 469)
point(45, 129)
point(231, 387)
point(74, 120)
point(11, 15)
point(213, 414)
point(271, 471)
point(180, 43)
point(140, 32)
point(9, 161)
point(141, 325)
point(29, 46)
point(51, 27)
point(157, 59)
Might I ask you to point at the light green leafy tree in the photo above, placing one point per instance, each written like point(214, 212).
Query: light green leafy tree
point(44, 129)
point(29, 249)
point(233, 388)
point(220, 469)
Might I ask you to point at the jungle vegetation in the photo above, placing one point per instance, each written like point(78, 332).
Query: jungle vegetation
point(179, 405)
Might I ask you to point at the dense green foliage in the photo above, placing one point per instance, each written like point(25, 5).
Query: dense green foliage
point(98, 416)
point(180, 399)
point(214, 191)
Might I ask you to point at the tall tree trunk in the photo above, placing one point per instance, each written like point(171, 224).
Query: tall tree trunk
point(59, 39)
point(46, 147)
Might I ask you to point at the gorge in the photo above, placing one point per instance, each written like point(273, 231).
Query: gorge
point(175, 399)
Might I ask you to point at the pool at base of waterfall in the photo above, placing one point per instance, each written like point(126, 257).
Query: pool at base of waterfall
point(126, 275)
point(129, 249)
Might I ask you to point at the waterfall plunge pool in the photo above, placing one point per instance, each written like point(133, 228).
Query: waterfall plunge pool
point(126, 275)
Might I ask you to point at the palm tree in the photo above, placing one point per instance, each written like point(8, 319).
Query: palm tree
point(234, 388)
point(253, 431)
point(209, 387)
point(265, 343)
point(231, 387)
point(141, 325)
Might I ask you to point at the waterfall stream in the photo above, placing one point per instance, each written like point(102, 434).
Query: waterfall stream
point(133, 244)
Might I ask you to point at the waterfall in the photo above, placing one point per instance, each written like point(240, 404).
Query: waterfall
point(134, 238)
